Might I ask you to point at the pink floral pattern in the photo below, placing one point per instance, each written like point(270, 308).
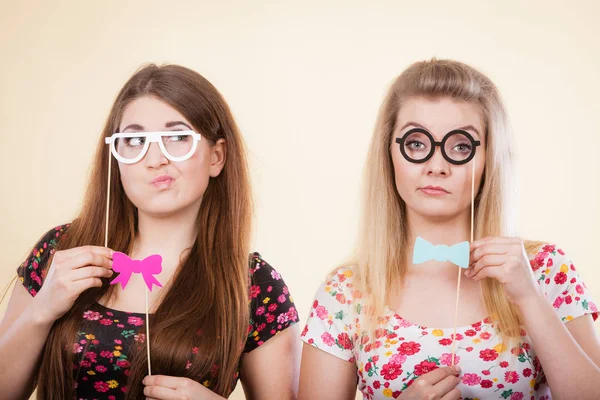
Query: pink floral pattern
point(400, 352)
point(107, 336)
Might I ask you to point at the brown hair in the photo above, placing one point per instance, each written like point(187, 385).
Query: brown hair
point(209, 292)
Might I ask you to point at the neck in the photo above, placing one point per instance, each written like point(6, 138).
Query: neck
point(168, 235)
point(448, 231)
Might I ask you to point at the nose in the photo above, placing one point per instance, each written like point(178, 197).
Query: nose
point(155, 158)
point(437, 165)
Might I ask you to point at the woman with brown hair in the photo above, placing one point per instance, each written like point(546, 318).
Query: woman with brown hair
point(223, 313)
point(439, 171)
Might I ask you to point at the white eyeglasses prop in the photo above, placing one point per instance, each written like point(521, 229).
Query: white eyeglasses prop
point(131, 147)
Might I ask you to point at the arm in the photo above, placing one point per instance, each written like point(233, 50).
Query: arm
point(323, 375)
point(21, 321)
point(547, 291)
point(271, 371)
point(574, 347)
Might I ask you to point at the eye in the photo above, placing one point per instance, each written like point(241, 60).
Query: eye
point(135, 141)
point(463, 147)
point(178, 138)
point(415, 145)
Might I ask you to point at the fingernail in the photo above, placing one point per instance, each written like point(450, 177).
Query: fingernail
point(457, 369)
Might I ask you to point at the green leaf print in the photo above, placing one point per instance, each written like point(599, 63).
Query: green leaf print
point(433, 360)
point(358, 308)
point(507, 393)
point(584, 304)
point(127, 334)
point(339, 315)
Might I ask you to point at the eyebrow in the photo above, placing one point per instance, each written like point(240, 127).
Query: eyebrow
point(464, 128)
point(169, 124)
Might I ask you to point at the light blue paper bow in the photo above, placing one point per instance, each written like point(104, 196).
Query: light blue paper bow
point(457, 254)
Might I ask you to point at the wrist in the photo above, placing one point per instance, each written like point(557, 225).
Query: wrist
point(38, 316)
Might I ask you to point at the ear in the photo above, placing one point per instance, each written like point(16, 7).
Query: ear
point(218, 156)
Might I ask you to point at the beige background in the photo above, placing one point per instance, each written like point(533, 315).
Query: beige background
point(304, 80)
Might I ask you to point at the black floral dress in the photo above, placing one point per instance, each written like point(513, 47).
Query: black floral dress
point(106, 336)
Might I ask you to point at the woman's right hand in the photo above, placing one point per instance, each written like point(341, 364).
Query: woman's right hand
point(437, 384)
point(72, 272)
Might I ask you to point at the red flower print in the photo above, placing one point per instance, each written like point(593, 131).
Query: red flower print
point(376, 385)
point(458, 336)
point(469, 349)
point(445, 342)
point(100, 368)
point(260, 310)
point(344, 341)
point(106, 354)
point(135, 321)
point(123, 363)
point(485, 372)
point(511, 377)
point(327, 339)
point(376, 358)
point(106, 321)
point(562, 253)
point(90, 355)
point(304, 331)
point(379, 333)
point(321, 312)
point(549, 248)
point(500, 386)
point(254, 291)
point(85, 363)
point(488, 354)
point(503, 364)
point(101, 386)
point(558, 302)
point(573, 280)
point(560, 278)
point(409, 348)
point(270, 318)
point(516, 396)
point(471, 379)
point(281, 298)
point(315, 304)
point(486, 384)
point(340, 298)
point(538, 261)
point(568, 299)
point(471, 332)
point(425, 367)
point(368, 366)
point(485, 335)
point(527, 372)
point(272, 307)
point(579, 289)
point(391, 371)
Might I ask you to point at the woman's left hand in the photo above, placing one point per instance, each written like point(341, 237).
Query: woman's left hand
point(505, 260)
point(162, 387)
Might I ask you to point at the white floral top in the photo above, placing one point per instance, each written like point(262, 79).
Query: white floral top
point(403, 351)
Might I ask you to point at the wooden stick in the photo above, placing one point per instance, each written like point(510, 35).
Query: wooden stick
point(459, 268)
point(107, 200)
point(148, 335)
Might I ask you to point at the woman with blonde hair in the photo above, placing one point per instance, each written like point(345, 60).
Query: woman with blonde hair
point(388, 320)
point(180, 189)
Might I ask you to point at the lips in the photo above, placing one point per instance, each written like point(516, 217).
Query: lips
point(434, 190)
point(162, 181)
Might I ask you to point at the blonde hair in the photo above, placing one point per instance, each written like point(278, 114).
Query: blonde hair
point(381, 254)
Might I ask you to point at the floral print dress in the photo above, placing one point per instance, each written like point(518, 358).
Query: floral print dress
point(106, 336)
point(401, 351)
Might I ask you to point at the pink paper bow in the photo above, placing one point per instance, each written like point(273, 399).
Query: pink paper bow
point(148, 267)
